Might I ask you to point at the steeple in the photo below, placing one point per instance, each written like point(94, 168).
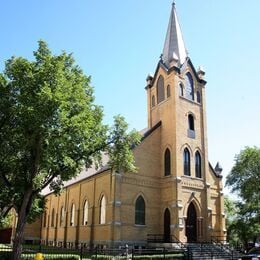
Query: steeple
point(174, 47)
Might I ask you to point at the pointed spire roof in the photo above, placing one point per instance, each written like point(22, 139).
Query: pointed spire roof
point(174, 47)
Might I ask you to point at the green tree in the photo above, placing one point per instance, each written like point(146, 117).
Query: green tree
point(244, 179)
point(49, 129)
point(231, 212)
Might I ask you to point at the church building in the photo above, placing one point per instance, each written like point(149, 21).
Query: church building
point(176, 195)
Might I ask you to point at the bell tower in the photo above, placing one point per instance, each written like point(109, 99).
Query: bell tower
point(176, 98)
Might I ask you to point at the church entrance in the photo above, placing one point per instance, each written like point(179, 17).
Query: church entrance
point(167, 226)
point(191, 224)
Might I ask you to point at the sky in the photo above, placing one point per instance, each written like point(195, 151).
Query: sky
point(119, 42)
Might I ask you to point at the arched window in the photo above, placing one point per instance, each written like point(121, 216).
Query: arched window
point(186, 162)
point(153, 101)
point(198, 97)
point(160, 90)
point(191, 122)
point(198, 165)
point(85, 213)
point(140, 211)
point(53, 218)
point(102, 214)
point(45, 219)
point(72, 215)
point(189, 86)
point(168, 91)
point(181, 89)
point(167, 162)
point(62, 213)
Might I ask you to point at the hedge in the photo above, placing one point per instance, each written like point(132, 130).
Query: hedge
point(7, 255)
point(141, 257)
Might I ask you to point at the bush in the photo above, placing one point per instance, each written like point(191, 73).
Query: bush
point(5, 255)
point(140, 257)
point(51, 257)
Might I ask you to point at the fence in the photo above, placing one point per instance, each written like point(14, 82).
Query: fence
point(29, 252)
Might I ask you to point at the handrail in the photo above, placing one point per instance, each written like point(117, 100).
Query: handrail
point(161, 238)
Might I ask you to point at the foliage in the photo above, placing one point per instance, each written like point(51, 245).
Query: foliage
point(50, 128)
point(244, 179)
point(6, 221)
point(230, 212)
point(7, 256)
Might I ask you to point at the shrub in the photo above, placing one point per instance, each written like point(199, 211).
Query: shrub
point(52, 257)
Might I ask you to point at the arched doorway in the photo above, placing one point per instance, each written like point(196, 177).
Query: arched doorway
point(191, 224)
point(167, 226)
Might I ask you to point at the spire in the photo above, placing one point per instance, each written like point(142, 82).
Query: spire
point(174, 47)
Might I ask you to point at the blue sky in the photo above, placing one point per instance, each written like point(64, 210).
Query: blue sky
point(119, 42)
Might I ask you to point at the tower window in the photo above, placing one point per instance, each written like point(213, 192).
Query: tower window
point(189, 86)
point(140, 211)
point(102, 214)
point(153, 101)
point(191, 122)
point(186, 162)
point(167, 162)
point(181, 89)
point(191, 129)
point(168, 91)
point(198, 165)
point(198, 97)
point(160, 90)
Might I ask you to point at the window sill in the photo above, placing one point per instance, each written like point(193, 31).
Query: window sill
point(140, 225)
point(189, 100)
point(192, 177)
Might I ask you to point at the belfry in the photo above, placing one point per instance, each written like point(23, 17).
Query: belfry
point(176, 195)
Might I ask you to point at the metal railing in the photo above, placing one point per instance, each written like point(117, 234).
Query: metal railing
point(29, 252)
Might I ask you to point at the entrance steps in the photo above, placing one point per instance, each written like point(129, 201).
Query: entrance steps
point(210, 251)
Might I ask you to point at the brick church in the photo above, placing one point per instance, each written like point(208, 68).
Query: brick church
point(176, 195)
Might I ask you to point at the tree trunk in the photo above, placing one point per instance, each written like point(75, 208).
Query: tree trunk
point(22, 217)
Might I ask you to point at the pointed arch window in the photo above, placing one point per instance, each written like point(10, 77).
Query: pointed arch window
point(53, 218)
point(186, 162)
point(181, 89)
point(85, 213)
point(140, 211)
point(168, 91)
point(62, 214)
point(72, 215)
point(45, 219)
point(167, 162)
point(198, 97)
point(153, 101)
point(102, 213)
point(160, 90)
point(197, 165)
point(189, 86)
